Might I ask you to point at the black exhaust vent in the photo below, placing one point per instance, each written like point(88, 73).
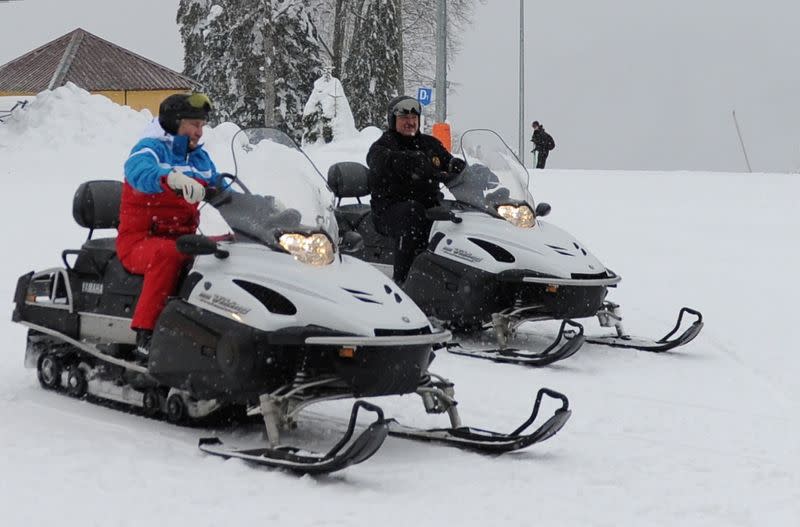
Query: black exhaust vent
point(589, 276)
point(273, 301)
point(497, 252)
point(380, 332)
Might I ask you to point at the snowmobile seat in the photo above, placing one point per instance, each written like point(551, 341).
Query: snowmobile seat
point(94, 256)
point(349, 180)
point(96, 206)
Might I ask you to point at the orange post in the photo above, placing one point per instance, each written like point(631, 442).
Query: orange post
point(441, 131)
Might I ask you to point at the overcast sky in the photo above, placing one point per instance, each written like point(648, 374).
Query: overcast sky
point(628, 84)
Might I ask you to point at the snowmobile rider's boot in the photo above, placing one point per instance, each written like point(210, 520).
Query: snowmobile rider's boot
point(142, 351)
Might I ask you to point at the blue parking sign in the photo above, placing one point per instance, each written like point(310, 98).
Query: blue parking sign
point(424, 96)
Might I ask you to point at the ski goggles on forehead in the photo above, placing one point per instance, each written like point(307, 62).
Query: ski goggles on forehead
point(199, 101)
point(406, 107)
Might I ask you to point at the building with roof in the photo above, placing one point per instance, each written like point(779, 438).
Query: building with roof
point(97, 66)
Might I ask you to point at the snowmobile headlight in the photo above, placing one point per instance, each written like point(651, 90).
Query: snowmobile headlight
point(314, 249)
point(518, 215)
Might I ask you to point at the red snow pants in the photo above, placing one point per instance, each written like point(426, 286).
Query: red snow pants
point(161, 264)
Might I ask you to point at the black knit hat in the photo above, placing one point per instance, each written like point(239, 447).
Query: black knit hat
point(182, 106)
point(393, 109)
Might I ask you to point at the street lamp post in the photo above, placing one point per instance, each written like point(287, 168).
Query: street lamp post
point(441, 61)
point(522, 81)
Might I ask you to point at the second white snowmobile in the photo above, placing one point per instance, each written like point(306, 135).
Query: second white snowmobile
point(492, 263)
point(269, 319)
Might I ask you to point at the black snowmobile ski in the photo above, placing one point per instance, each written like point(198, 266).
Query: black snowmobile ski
point(655, 346)
point(549, 355)
point(487, 442)
point(304, 462)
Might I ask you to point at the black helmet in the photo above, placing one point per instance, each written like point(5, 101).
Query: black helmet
point(182, 106)
point(400, 106)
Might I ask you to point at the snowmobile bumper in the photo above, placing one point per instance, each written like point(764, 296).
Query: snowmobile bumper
point(438, 337)
point(575, 282)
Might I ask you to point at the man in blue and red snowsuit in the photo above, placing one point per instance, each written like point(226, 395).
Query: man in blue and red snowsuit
point(165, 179)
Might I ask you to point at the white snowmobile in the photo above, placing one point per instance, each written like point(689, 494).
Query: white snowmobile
point(493, 264)
point(270, 318)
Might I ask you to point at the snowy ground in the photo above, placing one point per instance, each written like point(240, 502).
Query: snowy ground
point(705, 436)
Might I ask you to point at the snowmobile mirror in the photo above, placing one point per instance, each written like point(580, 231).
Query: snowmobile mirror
point(351, 242)
point(196, 244)
point(543, 209)
point(441, 214)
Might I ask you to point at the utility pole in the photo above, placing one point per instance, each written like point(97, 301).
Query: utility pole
point(522, 81)
point(441, 61)
point(741, 142)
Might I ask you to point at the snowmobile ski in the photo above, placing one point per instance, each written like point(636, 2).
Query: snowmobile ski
point(487, 442)
point(553, 353)
point(655, 346)
point(304, 462)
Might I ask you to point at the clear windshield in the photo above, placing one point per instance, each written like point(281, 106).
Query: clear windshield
point(494, 176)
point(277, 186)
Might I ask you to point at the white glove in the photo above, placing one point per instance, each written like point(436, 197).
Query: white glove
point(190, 188)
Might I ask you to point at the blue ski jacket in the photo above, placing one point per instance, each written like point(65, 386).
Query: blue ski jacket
point(158, 153)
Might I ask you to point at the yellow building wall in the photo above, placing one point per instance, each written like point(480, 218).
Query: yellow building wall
point(116, 96)
point(138, 100)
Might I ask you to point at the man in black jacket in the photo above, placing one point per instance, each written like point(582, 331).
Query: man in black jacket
point(542, 144)
point(406, 169)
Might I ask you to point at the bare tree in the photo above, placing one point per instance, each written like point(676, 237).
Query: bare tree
point(338, 20)
point(419, 37)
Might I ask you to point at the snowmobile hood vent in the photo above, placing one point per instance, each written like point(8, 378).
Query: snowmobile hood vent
point(561, 250)
point(272, 300)
point(497, 252)
point(362, 295)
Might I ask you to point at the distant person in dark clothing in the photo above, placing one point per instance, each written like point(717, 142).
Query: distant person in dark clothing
point(406, 168)
point(542, 144)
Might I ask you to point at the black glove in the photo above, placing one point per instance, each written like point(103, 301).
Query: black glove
point(445, 177)
point(481, 176)
point(415, 163)
point(456, 165)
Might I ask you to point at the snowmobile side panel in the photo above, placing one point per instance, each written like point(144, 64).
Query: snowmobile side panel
point(56, 318)
point(467, 296)
point(216, 357)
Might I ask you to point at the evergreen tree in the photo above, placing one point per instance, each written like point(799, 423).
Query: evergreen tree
point(297, 62)
point(373, 68)
point(252, 55)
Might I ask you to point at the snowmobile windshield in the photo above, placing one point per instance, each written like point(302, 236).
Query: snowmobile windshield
point(494, 176)
point(277, 190)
